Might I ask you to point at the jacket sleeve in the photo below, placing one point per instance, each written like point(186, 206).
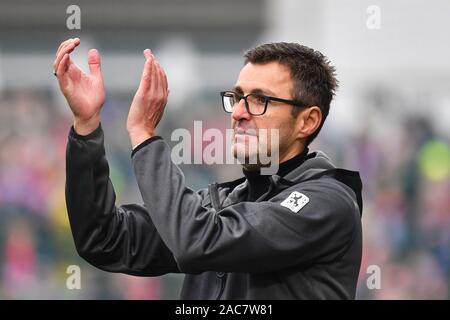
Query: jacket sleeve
point(247, 236)
point(117, 239)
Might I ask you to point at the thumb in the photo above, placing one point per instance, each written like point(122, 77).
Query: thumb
point(94, 62)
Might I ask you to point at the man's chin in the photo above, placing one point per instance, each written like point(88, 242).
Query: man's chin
point(248, 158)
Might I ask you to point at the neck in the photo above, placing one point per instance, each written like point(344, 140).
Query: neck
point(286, 156)
point(259, 184)
point(292, 154)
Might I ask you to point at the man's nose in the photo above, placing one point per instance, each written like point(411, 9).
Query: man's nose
point(240, 111)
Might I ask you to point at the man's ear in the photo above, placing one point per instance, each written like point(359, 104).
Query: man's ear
point(308, 121)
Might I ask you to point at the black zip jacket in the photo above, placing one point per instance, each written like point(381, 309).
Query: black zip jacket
point(301, 239)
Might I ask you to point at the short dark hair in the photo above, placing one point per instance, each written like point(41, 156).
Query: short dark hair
point(313, 76)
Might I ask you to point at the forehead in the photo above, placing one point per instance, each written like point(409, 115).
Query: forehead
point(271, 77)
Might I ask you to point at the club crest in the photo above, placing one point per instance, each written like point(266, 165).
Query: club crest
point(295, 201)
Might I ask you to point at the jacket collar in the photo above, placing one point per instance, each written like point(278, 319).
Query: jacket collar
point(316, 165)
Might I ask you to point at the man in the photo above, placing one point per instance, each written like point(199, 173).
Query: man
point(295, 234)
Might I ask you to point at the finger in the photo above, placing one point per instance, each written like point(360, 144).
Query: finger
point(154, 82)
point(162, 86)
point(65, 50)
point(148, 53)
point(58, 54)
point(158, 85)
point(146, 75)
point(94, 62)
point(165, 81)
point(60, 46)
point(162, 80)
point(63, 65)
point(68, 48)
point(65, 43)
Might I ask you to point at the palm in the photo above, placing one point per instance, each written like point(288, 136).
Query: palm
point(84, 93)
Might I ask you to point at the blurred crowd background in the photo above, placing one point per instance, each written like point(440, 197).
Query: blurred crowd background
point(389, 121)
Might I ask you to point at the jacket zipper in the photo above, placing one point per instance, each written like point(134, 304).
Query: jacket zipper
point(214, 195)
point(215, 202)
point(223, 280)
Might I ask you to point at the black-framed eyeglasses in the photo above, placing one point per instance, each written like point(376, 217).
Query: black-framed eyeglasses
point(255, 103)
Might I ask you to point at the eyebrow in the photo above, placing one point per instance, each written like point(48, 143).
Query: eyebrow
point(238, 89)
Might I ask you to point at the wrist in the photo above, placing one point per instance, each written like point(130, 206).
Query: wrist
point(84, 127)
point(138, 136)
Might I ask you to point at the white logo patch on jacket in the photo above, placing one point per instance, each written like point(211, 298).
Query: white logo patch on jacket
point(295, 201)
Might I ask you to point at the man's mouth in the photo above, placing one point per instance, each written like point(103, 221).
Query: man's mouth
point(248, 132)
